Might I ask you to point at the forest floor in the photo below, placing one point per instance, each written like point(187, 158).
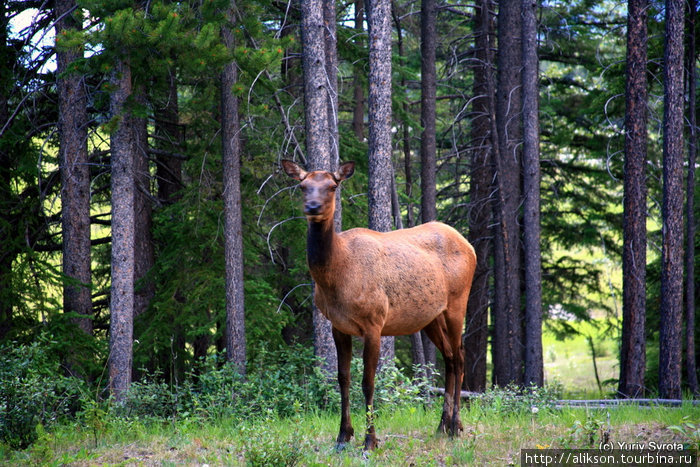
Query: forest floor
point(407, 437)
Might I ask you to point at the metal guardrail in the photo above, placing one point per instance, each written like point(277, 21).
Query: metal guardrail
point(597, 403)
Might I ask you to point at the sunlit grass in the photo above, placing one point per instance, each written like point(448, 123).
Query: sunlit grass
point(407, 436)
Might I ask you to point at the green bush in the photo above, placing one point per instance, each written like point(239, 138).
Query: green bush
point(33, 391)
point(280, 383)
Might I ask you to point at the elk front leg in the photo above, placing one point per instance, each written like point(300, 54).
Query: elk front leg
point(370, 358)
point(343, 346)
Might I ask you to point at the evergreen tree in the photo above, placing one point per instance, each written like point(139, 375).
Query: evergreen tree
point(633, 352)
point(379, 117)
point(672, 211)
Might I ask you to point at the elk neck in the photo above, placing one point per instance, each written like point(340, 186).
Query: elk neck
point(320, 246)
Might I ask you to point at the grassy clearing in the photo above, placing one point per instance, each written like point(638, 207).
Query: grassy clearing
point(568, 361)
point(407, 437)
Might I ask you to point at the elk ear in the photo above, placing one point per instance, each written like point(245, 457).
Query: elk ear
point(293, 170)
point(345, 171)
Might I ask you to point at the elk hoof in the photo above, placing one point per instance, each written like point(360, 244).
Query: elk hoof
point(456, 428)
point(340, 447)
point(370, 443)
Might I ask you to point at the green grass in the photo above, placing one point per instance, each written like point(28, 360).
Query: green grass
point(568, 361)
point(407, 436)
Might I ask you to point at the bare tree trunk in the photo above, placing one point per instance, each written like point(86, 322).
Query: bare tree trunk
point(476, 327)
point(233, 218)
point(633, 345)
point(427, 114)
point(144, 251)
point(7, 253)
point(358, 110)
point(672, 207)
point(691, 368)
point(122, 294)
point(533, 371)
point(380, 168)
point(75, 172)
point(507, 317)
point(317, 95)
point(331, 64)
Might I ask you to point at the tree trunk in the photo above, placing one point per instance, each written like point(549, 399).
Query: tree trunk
point(691, 369)
point(380, 168)
point(633, 345)
point(318, 139)
point(7, 253)
point(507, 319)
point(358, 109)
point(331, 65)
point(427, 114)
point(533, 371)
point(476, 326)
point(233, 223)
point(75, 172)
point(672, 207)
point(144, 252)
point(122, 294)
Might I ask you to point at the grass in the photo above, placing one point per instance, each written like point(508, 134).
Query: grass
point(407, 437)
point(568, 361)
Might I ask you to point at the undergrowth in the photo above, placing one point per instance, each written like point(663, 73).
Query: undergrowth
point(287, 413)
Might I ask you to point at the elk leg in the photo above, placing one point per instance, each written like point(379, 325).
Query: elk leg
point(437, 332)
point(343, 346)
point(458, 359)
point(370, 357)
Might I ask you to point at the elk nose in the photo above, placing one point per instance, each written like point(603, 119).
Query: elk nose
point(312, 207)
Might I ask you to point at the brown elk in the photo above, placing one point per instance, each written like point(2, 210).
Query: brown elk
point(373, 284)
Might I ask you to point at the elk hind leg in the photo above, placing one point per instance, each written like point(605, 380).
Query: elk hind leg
point(437, 332)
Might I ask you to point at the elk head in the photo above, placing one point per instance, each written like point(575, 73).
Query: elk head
point(319, 188)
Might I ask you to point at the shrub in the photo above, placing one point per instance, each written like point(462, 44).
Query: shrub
point(33, 391)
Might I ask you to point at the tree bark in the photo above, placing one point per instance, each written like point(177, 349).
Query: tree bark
point(533, 370)
point(7, 253)
point(427, 114)
point(317, 95)
point(507, 317)
point(144, 251)
point(75, 172)
point(358, 109)
point(233, 218)
point(122, 293)
point(331, 64)
point(380, 168)
point(480, 203)
point(672, 207)
point(691, 368)
point(633, 345)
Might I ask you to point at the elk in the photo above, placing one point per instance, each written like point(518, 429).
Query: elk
point(371, 284)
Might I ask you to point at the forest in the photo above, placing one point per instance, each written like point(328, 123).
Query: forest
point(150, 239)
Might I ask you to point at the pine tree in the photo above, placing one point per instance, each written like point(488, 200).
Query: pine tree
point(121, 322)
point(233, 211)
point(632, 351)
point(379, 110)
point(533, 364)
point(672, 209)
